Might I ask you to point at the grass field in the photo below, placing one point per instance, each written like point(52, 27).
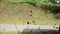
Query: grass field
point(49, 32)
point(21, 13)
point(24, 13)
point(20, 32)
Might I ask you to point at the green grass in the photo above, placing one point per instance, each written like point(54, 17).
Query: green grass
point(20, 33)
point(29, 1)
point(23, 0)
point(17, 13)
point(49, 32)
point(4, 32)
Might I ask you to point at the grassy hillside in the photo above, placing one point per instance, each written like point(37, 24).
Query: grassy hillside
point(22, 12)
point(11, 13)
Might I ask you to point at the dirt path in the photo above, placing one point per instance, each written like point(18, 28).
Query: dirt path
point(26, 28)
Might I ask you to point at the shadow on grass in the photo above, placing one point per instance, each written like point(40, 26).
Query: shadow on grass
point(29, 31)
point(33, 4)
point(55, 10)
point(52, 9)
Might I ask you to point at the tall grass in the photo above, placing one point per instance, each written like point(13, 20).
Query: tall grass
point(31, 1)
